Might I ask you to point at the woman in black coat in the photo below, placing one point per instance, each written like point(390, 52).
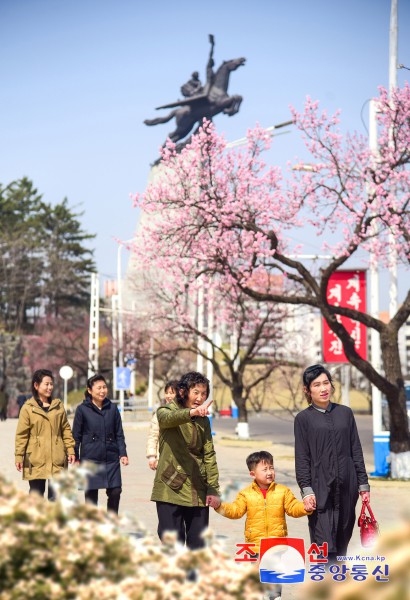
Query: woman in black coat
point(99, 438)
point(330, 469)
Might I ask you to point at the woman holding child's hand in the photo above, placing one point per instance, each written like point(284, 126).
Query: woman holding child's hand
point(186, 481)
point(330, 469)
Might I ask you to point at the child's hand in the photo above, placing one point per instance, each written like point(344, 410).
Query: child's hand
point(124, 460)
point(213, 501)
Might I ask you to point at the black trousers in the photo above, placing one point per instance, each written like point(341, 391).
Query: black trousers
point(334, 526)
point(113, 498)
point(189, 522)
point(38, 486)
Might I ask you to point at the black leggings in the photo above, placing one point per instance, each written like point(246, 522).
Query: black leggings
point(113, 501)
point(38, 486)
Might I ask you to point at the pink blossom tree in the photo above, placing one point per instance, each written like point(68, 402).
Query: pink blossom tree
point(61, 340)
point(226, 214)
point(240, 336)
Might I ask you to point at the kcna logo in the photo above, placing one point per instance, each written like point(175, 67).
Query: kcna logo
point(282, 560)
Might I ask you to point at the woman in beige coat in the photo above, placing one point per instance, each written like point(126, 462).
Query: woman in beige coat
point(170, 394)
point(44, 442)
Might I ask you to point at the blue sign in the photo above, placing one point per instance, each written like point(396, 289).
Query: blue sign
point(122, 378)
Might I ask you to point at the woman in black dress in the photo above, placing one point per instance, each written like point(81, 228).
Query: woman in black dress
point(99, 438)
point(330, 469)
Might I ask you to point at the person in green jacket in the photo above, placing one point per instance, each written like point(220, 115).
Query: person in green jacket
point(44, 442)
point(186, 482)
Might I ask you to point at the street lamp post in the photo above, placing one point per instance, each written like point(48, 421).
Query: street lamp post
point(120, 337)
point(120, 325)
point(393, 63)
point(374, 293)
point(381, 439)
point(94, 328)
point(66, 373)
point(114, 330)
point(272, 130)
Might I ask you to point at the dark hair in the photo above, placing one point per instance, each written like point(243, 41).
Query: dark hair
point(259, 457)
point(312, 373)
point(90, 383)
point(38, 377)
point(172, 384)
point(189, 381)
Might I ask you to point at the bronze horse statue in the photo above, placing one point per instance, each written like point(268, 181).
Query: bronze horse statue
point(204, 102)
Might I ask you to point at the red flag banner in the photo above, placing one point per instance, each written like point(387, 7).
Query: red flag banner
point(346, 288)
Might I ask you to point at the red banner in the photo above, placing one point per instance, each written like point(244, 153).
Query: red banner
point(346, 288)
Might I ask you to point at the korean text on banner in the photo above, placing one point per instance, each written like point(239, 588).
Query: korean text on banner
point(348, 289)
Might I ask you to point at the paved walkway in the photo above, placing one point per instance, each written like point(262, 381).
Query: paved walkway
point(388, 498)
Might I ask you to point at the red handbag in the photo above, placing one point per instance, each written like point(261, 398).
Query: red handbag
point(369, 527)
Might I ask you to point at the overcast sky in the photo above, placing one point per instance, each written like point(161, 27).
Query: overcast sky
point(78, 78)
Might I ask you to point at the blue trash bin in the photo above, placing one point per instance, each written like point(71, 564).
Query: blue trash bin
point(210, 417)
point(234, 412)
point(381, 443)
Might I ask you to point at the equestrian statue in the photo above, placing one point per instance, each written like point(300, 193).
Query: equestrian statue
point(202, 102)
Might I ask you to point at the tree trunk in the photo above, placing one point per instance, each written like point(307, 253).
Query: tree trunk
point(396, 399)
point(391, 384)
point(242, 429)
point(240, 403)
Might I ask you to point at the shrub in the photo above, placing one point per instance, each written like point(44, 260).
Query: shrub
point(67, 550)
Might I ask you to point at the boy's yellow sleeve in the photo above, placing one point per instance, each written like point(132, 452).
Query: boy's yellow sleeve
point(234, 510)
point(293, 507)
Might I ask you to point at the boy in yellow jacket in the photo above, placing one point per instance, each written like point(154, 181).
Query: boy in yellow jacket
point(265, 503)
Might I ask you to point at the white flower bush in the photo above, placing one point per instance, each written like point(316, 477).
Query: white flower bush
point(67, 550)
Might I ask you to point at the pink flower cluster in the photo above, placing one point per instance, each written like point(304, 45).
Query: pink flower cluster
point(226, 213)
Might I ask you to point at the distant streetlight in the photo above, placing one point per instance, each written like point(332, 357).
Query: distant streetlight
point(120, 337)
point(66, 373)
point(242, 141)
point(305, 167)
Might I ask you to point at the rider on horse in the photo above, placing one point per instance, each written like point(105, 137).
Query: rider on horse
point(202, 102)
